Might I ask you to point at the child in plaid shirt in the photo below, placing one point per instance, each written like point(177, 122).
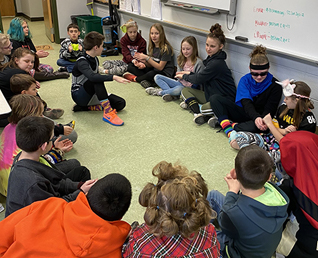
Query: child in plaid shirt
point(177, 218)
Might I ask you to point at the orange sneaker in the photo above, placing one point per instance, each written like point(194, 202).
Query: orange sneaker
point(130, 76)
point(112, 118)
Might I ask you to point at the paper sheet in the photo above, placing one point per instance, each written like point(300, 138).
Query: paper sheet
point(156, 11)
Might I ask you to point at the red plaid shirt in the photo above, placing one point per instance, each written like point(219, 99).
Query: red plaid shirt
point(143, 244)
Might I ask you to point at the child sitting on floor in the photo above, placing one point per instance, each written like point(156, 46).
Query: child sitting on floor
point(26, 84)
point(71, 49)
point(252, 214)
point(89, 226)
point(131, 43)
point(32, 177)
point(177, 217)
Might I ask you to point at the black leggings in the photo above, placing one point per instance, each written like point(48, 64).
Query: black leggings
point(143, 74)
point(224, 107)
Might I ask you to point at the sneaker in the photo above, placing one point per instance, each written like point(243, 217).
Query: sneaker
point(53, 113)
point(184, 105)
point(214, 122)
point(200, 119)
point(146, 84)
point(153, 91)
point(62, 69)
point(129, 76)
point(71, 124)
point(112, 118)
point(77, 108)
point(168, 97)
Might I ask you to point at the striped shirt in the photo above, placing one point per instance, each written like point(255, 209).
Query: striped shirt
point(143, 244)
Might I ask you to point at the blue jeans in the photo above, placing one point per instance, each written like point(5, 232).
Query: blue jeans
point(168, 85)
point(67, 64)
point(216, 200)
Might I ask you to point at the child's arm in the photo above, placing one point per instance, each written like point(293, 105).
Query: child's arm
point(150, 62)
point(277, 132)
point(64, 53)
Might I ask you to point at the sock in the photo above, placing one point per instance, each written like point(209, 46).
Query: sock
point(95, 108)
point(233, 125)
point(193, 105)
point(106, 105)
point(227, 127)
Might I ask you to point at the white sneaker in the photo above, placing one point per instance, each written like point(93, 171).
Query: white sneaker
point(184, 105)
point(153, 91)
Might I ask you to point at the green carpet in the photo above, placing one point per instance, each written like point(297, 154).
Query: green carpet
point(154, 130)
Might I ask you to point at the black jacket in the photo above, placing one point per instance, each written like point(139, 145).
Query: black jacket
point(216, 77)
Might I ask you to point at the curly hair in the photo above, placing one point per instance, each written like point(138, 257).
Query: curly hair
point(16, 30)
point(177, 203)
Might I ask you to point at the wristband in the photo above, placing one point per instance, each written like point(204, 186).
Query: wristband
point(147, 58)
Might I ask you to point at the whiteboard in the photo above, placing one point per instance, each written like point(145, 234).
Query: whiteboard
point(218, 4)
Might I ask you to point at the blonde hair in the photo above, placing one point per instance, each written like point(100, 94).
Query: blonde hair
point(130, 23)
point(3, 39)
point(24, 105)
point(258, 55)
point(177, 203)
point(164, 44)
point(181, 59)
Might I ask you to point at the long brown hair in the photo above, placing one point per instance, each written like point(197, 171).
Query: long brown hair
point(164, 44)
point(181, 59)
point(17, 54)
point(303, 104)
point(177, 203)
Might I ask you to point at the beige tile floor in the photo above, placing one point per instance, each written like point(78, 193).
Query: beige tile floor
point(154, 130)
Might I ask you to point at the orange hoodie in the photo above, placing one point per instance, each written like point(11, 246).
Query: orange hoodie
point(56, 228)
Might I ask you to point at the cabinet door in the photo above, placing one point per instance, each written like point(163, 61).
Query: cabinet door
point(7, 8)
point(48, 21)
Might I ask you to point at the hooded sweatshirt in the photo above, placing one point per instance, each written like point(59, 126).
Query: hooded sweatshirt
point(216, 77)
point(129, 48)
point(56, 228)
point(253, 228)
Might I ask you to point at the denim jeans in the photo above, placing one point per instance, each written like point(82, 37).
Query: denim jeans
point(168, 85)
point(67, 64)
point(216, 200)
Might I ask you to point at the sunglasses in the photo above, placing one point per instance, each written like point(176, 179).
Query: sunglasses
point(259, 74)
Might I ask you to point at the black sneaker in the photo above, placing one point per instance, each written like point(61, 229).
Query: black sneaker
point(62, 69)
point(77, 108)
point(168, 97)
point(201, 119)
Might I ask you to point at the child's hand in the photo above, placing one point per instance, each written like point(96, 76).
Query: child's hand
point(64, 145)
point(141, 65)
point(67, 129)
point(120, 79)
point(80, 48)
point(38, 85)
point(260, 124)
point(233, 185)
point(70, 48)
point(87, 185)
point(267, 119)
point(42, 53)
point(290, 128)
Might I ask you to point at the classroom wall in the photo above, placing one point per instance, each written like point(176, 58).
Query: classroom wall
point(31, 8)
point(282, 67)
point(66, 8)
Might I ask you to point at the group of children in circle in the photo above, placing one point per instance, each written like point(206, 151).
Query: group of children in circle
point(207, 89)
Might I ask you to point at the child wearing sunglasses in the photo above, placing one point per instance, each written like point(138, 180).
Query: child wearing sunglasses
point(257, 95)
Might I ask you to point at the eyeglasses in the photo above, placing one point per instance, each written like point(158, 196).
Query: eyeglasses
point(259, 74)
point(10, 46)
